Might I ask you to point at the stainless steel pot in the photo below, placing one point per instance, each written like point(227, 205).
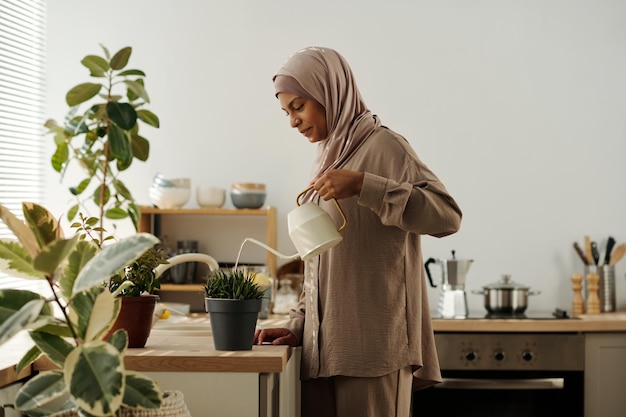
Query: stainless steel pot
point(506, 297)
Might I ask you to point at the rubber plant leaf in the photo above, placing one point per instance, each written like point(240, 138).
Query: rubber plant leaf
point(148, 117)
point(120, 145)
point(20, 320)
point(29, 357)
point(53, 255)
point(93, 312)
point(94, 375)
point(138, 89)
point(83, 252)
point(97, 65)
point(55, 347)
point(121, 57)
point(41, 391)
point(140, 146)
point(14, 261)
point(123, 114)
point(141, 392)
point(119, 339)
point(81, 93)
point(12, 301)
point(113, 258)
point(43, 224)
point(21, 231)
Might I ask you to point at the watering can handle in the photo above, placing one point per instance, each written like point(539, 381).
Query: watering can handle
point(426, 266)
point(343, 216)
point(187, 257)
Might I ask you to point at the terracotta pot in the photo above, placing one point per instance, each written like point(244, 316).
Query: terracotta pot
point(136, 318)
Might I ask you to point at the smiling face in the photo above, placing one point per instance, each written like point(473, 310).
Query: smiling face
point(308, 116)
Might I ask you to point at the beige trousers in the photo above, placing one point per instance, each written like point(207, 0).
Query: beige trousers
point(341, 396)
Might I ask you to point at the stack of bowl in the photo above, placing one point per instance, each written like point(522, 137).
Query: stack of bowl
point(247, 195)
point(170, 193)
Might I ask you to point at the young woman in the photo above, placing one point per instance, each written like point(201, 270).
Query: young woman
point(363, 318)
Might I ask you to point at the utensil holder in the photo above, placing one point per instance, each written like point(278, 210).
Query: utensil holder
point(606, 285)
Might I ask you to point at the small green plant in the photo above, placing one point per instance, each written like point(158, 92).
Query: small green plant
point(235, 285)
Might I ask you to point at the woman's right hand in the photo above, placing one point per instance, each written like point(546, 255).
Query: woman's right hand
point(277, 336)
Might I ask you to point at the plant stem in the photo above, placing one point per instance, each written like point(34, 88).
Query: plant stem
point(62, 307)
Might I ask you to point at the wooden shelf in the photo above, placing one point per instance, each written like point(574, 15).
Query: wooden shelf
point(151, 217)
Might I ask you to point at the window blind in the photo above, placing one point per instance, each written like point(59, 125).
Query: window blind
point(22, 101)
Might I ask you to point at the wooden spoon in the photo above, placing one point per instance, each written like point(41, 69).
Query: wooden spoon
point(618, 253)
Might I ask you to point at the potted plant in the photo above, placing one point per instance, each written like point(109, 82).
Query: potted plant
point(75, 337)
point(233, 301)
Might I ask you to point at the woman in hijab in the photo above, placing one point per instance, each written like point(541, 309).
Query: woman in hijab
point(363, 318)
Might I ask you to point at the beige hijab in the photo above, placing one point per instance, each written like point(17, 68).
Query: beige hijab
point(325, 76)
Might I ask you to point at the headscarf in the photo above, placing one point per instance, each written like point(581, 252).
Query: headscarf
point(324, 75)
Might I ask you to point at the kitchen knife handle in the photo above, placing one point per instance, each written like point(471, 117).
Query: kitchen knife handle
point(610, 243)
point(594, 253)
point(580, 253)
point(588, 251)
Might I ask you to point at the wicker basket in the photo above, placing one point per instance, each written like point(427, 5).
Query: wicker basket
point(173, 405)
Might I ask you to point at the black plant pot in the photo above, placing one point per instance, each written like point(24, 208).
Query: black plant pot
point(233, 322)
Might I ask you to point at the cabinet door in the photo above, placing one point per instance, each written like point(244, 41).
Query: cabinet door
point(605, 375)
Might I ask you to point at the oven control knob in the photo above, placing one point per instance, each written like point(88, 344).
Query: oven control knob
point(498, 355)
point(470, 356)
point(527, 355)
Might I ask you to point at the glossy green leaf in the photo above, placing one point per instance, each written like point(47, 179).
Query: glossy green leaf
point(72, 212)
point(54, 254)
point(141, 392)
point(121, 57)
point(107, 54)
point(115, 213)
point(14, 261)
point(82, 186)
point(60, 156)
point(97, 195)
point(94, 375)
point(22, 232)
point(39, 391)
point(112, 259)
point(83, 252)
point(138, 89)
point(122, 114)
point(134, 213)
point(55, 347)
point(27, 314)
point(121, 189)
point(43, 224)
point(97, 65)
point(149, 118)
point(119, 339)
point(120, 145)
point(12, 301)
point(27, 360)
point(82, 93)
point(128, 72)
point(93, 312)
point(141, 147)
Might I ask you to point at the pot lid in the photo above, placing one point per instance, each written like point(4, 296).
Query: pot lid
point(506, 283)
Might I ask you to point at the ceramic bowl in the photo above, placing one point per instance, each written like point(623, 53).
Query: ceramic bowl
point(210, 197)
point(169, 197)
point(248, 195)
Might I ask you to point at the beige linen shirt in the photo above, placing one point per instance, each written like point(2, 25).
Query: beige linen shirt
point(364, 309)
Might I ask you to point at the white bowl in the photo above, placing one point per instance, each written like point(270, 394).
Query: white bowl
point(181, 182)
point(210, 197)
point(169, 197)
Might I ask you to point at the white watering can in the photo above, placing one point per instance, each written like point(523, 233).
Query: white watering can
point(311, 230)
point(187, 257)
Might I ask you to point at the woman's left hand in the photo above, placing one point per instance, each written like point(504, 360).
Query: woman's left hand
point(339, 183)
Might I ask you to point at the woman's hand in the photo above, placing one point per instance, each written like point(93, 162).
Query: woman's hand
point(278, 336)
point(339, 183)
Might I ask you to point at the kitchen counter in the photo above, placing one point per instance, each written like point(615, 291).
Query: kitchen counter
point(605, 322)
point(183, 350)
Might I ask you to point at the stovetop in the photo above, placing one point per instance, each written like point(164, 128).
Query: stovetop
point(557, 314)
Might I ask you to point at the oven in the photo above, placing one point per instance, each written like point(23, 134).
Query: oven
point(506, 374)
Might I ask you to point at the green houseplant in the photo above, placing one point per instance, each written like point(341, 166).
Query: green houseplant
point(75, 338)
point(104, 139)
point(233, 301)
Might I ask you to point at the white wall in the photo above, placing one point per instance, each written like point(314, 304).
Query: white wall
point(519, 106)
